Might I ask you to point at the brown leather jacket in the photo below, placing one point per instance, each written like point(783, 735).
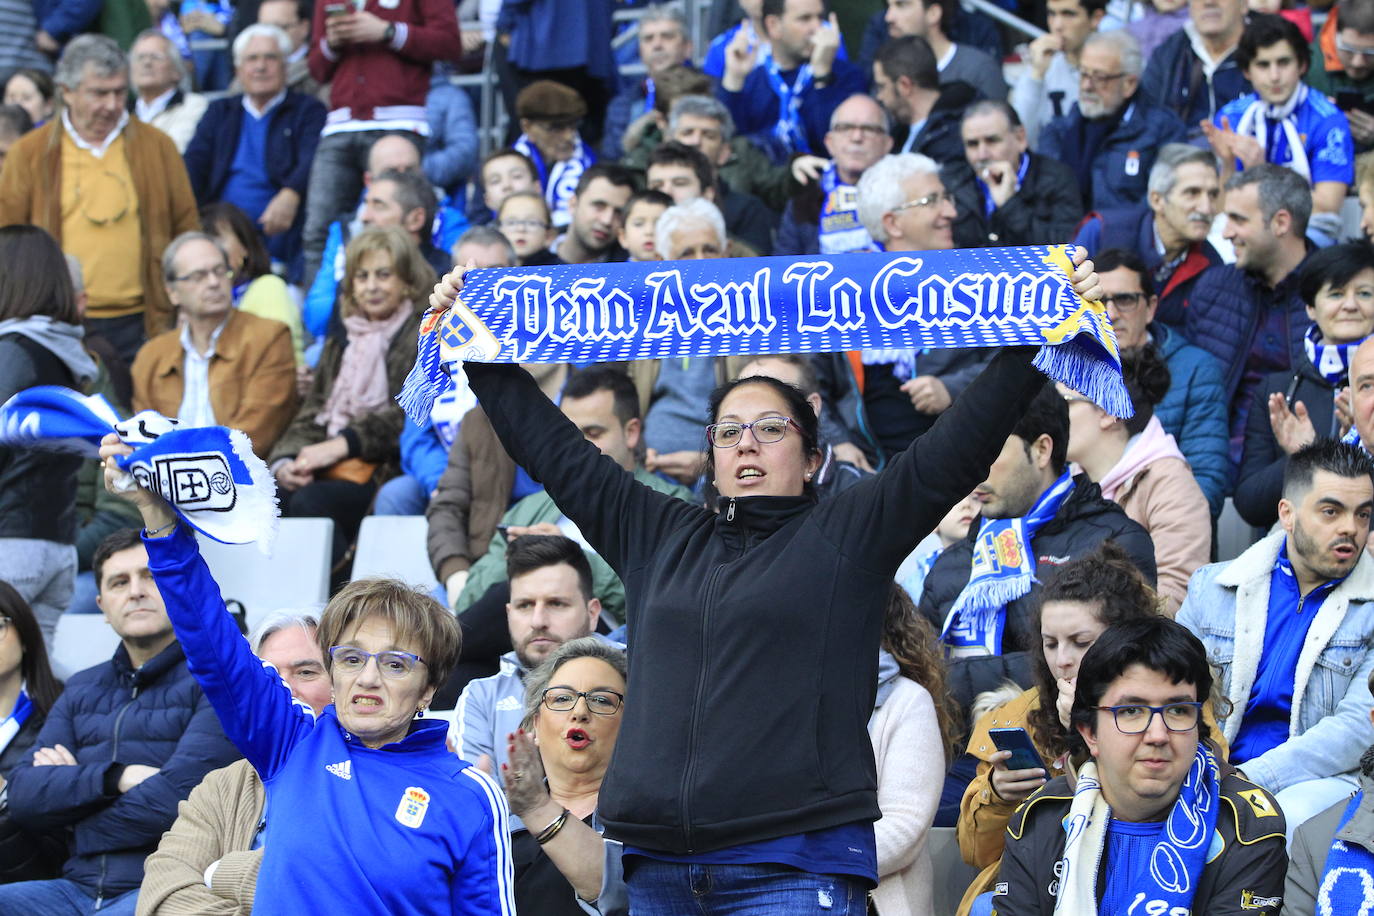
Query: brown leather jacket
point(31, 192)
point(252, 377)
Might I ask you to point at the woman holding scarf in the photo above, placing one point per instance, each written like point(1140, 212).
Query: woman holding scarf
point(743, 780)
point(1293, 408)
point(344, 442)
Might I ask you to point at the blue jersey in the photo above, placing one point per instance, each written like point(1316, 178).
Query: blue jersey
point(1323, 128)
point(404, 829)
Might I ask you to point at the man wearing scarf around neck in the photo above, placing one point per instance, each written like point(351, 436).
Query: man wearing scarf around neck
point(1036, 516)
point(1285, 122)
point(1153, 821)
point(1288, 625)
point(1332, 856)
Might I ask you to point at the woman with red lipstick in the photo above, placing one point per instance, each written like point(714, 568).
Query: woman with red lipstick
point(744, 780)
point(573, 705)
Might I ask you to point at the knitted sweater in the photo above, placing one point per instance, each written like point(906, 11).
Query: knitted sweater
point(215, 824)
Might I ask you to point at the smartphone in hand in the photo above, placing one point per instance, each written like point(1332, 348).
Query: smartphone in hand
point(1024, 756)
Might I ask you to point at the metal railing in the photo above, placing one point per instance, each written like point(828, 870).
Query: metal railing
point(1010, 20)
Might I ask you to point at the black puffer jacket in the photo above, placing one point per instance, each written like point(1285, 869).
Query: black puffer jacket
point(37, 489)
point(112, 716)
point(1244, 878)
point(1084, 521)
point(755, 630)
point(26, 855)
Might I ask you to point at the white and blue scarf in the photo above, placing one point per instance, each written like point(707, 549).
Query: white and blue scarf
point(989, 206)
point(1276, 129)
point(1170, 880)
point(560, 182)
point(789, 130)
point(1332, 361)
point(1347, 884)
point(1002, 570)
point(209, 475)
point(23, 706)
point(841, 229)
point(913, 300)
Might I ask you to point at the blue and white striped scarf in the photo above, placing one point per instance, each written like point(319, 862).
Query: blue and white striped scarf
point(209, 475)
point(559, 181)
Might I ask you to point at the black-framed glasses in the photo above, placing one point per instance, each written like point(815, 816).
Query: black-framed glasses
point(599, 702)
point(392, 663)
point(932, 199)
point(869, 131)
point(1135, 718)
point(765, 429)
point(198, 277)
point(1098, 80)
point(1125, 303)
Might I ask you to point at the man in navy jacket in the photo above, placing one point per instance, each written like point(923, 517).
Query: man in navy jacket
point(123, 745)
point(254, 150)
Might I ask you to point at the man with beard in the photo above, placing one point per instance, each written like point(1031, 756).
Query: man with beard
point(551, 602)
point(1288, 626)
point(1005, 194)
point(823, 217)
point(1170, 230)
point(1111, 135)
point(596, 207)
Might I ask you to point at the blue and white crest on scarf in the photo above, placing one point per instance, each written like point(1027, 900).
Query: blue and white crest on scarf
point(584, 313)
point(841, 230)
point(209, 475)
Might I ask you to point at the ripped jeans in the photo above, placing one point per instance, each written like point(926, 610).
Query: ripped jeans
point(673, 889)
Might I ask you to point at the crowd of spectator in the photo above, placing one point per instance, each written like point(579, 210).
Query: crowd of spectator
point(235, 214)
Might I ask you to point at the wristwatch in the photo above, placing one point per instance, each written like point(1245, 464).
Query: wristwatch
point(390, 34)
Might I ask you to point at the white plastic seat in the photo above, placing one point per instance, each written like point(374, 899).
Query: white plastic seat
point(393, 546)
point(81, 641)
point(295, 576)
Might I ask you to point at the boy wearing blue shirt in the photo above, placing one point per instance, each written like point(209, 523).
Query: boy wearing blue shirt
point(1285, 122)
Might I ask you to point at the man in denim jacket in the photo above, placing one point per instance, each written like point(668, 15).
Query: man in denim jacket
point(1288, 625)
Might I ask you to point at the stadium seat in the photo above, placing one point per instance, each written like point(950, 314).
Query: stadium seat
point(952, 874)
point(1234, 534)
point(294, 577)
point(81, 641)
point(394, 546)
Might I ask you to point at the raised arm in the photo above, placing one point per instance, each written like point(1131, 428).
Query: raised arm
point(254, 705)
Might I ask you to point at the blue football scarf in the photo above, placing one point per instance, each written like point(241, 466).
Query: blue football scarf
point(209, 475)
point(1347, 884)
point(985, 297)
point(989, 206)
point(560, 182)
point(1002, 570)
point(1332, 361)
point(841, 230)
point(789, 130)
point(1169, 881)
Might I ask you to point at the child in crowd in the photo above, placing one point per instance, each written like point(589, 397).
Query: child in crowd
point(637, 228)
point(503, 173)
point(525, 220)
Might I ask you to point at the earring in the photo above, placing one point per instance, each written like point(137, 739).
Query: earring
point(420, 711)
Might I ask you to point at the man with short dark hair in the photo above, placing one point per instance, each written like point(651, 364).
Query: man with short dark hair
point(1036, 515)
point(1289, 624)
point(596, 211)
point(1111, 135)
point(1005, 194)
point(1343, 66)
point(1169, 231)
point(957, 62)
point(823, 217)
point(906, 82)
point(406, 199)
point(551, 601)
point(1154, 791)
point(1193, 73)
point(784, 102)
point(1048, 86)
point(684, 173)
point(1249, 315)
point(124, 744)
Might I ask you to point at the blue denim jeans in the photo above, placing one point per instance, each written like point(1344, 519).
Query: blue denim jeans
point(61, 898)
point(402, 495)
point(42, 573)
point(673, 889)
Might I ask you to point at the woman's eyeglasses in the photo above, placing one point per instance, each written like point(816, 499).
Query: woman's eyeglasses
point(599, 702)
point(391, 663)
point(766, 430)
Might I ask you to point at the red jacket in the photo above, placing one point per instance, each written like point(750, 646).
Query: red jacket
point(366, 77)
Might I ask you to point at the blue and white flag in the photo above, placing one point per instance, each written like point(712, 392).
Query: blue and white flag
point(209, 475)
point(985, 297)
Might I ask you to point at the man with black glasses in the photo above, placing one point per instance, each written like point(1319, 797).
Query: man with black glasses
point(1153, 822)
point(1288, 625)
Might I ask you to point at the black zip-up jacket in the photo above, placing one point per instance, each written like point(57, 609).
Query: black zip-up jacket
point(1244, 877)
point(755, 630)
point(37, 488)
